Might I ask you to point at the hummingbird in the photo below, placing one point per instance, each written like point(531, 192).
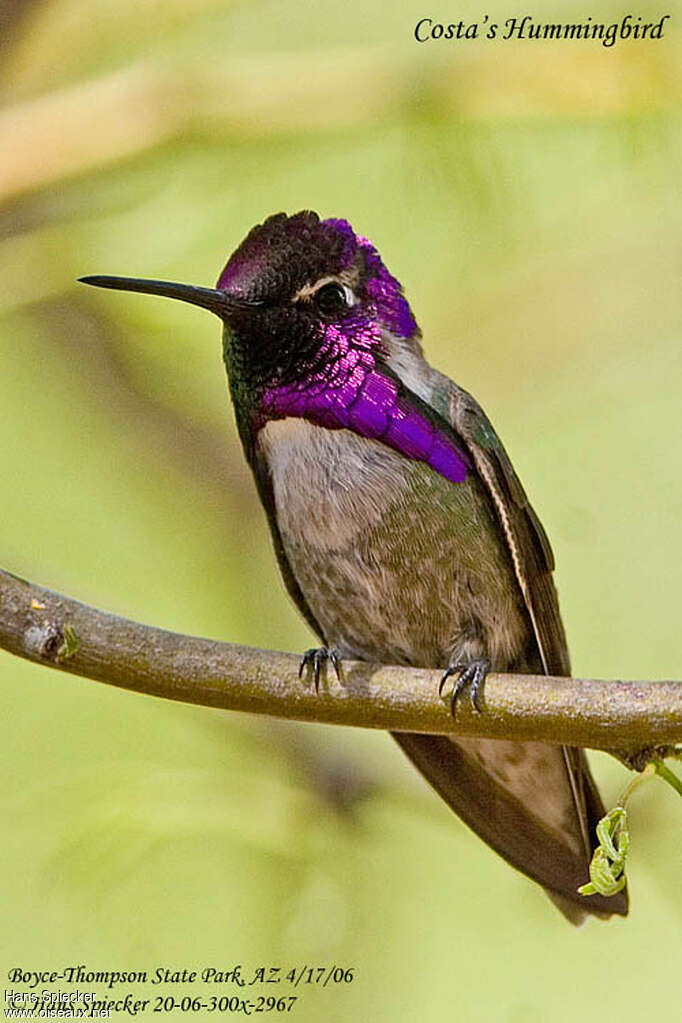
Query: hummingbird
point(401, 529)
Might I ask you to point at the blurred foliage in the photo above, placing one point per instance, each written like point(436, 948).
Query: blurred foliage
point(528, 197)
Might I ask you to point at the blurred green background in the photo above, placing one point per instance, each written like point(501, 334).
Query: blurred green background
point(527, 195)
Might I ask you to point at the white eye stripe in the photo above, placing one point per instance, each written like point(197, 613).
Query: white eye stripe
point(308, 291)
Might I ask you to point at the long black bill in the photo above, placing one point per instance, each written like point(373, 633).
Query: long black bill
point(219, 302)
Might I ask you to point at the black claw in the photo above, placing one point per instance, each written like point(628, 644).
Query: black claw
point(472, 675)
point(335, 658)
point(316, 657)
point(306, 658)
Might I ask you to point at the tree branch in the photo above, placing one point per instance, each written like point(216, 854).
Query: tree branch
point(54, 630)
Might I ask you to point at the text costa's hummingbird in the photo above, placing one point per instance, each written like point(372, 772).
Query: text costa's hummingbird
point(401, 529)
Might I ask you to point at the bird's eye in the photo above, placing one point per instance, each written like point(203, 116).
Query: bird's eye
point(332, 299)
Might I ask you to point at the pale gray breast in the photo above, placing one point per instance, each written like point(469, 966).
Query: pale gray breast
point(395, 562)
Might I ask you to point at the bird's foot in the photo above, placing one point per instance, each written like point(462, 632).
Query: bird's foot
point(315, 658)
point(472, 675)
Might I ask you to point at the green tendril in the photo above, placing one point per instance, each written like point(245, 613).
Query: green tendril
point(607, 868)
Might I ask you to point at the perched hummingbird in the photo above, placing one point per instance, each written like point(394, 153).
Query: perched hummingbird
point(401, 529)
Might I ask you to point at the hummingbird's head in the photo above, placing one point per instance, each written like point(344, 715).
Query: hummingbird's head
point(317, 292)
point(298, 293)
point(308, 307)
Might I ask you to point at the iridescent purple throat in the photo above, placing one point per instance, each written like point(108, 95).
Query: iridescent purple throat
point(345, 389)
point(351, 393)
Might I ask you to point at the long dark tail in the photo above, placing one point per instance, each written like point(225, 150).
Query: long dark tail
point(534, 804)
